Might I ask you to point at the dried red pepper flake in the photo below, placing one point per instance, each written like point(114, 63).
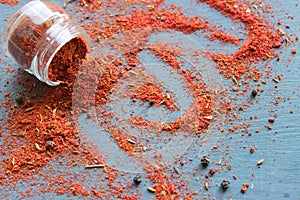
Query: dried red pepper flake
point(10, 2)
point(271, 120)
point(212, 171)
point(252, 149)
point(243, 189)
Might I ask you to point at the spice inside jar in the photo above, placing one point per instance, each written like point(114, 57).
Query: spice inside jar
point(67, 60)
point(44, 39)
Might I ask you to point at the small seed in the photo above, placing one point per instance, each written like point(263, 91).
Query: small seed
point(281, 31)
point(151, 189)
point(260, 162)
point(37, 146)
point(131, 85)
point(163, 101)
point(29, 109)
point(234, 80)
point(132, 72)
point(275, 80)
point(208, 117)
point(168, 96)
point(206, 185)
point(94, 166)
point(225, 184)
point(205, 161)
point(137, 180)
point(131, 141)
point(254, 93)
point(54, 112)
point(176, 170)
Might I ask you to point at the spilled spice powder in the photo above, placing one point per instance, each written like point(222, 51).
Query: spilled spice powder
point(37, 123)
point(261, 39)
point(10, 2)
point(149, 92)
point(224, 37)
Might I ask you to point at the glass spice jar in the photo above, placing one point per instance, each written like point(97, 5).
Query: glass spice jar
point(37, 32)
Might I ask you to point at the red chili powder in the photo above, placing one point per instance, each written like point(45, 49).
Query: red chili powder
point(65, 64)
point(10, 2)
point(150, 92)
point(43, 130)
point(224, 37)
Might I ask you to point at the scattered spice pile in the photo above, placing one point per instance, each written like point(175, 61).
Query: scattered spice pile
point(156, 96)
point(224, 37)
point(40, 131)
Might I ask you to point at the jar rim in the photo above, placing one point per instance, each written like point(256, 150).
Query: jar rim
point(45, 72)
point(57, 35)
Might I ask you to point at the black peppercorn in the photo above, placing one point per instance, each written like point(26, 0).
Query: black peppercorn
point(20, 100)
point(151, 102)
point(205, 161)
point(50, 145)
point(254, 93)
point(225, 184)
point(137, 180)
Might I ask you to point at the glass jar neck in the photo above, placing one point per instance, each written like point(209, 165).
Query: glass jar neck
point(36, 32)
point(57, 36)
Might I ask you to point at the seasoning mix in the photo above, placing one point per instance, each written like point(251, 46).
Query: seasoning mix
point(42, 145)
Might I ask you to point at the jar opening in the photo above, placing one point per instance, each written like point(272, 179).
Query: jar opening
point(45, 41)
point(66, 62)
